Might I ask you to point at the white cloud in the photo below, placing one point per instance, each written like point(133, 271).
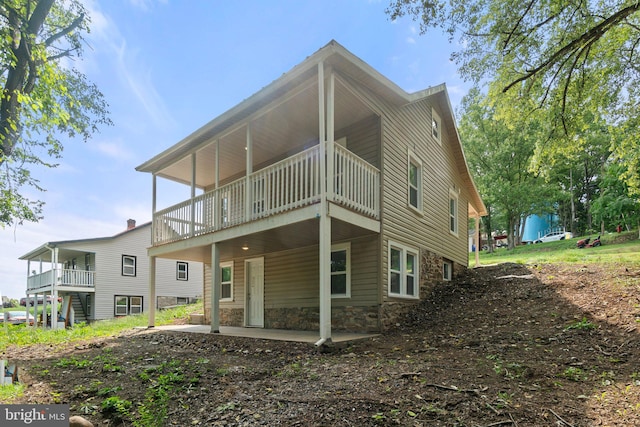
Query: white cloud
point(133, 74)
point(411, 40)
point(145, 4)
point(114, 150)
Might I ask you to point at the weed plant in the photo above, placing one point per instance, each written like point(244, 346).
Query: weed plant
point(21, 335)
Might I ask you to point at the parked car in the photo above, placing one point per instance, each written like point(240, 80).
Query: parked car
point(19, 317)
point(552, 237)
point(23, 301)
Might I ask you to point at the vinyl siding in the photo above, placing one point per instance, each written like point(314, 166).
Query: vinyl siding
point(291, 278)
point(110, 281)
point(410, 129)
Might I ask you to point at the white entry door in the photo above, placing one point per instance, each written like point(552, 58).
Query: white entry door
point(254, 284)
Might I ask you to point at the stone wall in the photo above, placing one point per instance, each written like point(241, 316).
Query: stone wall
point(232, 316)
point(430, 275)
point(163, 301)
point(349, 318)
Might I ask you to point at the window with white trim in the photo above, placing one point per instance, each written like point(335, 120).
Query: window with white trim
point(414, 182)
point(182, 270)
point(226, 283)
point(126, 305)
point(128, 265)
point(403, 271)
point(341, 270)
point(447, 270)
point(453, 213)
point(436, 126)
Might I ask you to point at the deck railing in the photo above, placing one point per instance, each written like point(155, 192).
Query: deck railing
point(289, 184)
point(64, 277)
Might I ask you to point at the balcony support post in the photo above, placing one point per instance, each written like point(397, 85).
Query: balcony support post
point(54, 293)
point(216, 277)
point(192, 226)
point(152, 292)
point(324, 226)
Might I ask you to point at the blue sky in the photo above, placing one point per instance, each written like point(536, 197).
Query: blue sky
point(167, 67)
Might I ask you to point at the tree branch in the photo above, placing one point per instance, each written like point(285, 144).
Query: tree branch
point(592, 34)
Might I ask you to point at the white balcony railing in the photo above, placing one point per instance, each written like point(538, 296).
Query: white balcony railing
point(64, 277)
point(289, 184)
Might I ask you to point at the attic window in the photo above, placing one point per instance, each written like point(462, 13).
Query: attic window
point(436, 126)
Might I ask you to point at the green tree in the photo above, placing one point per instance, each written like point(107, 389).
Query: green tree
point(499, 152)
point(563, 57)
point(44, 99)
point(615, 206)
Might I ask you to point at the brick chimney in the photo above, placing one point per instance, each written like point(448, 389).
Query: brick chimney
point(131, 223)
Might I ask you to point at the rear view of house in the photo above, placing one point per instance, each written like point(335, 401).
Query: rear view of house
point(106, 277)
point(329, 200)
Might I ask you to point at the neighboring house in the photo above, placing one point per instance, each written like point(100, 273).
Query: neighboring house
point(293, 250)
point(106, 277)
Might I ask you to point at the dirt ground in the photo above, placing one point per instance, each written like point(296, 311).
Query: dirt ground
point(507, 345)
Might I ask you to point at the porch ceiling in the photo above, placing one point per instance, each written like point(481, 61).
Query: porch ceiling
point(296, 235)
point(64, 254)
point(286, 126)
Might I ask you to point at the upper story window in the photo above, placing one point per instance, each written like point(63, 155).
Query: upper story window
point(403, 271)
point(128, 265)
point(341, 271)
point(414, 182)
point(453, 213)
point(226, 286)
point(436, 126)
point(182, 270)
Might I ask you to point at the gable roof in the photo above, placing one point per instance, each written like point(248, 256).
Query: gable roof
point(44, 251)
point(337, 57)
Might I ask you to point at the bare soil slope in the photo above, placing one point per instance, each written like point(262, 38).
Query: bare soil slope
point(547, 345)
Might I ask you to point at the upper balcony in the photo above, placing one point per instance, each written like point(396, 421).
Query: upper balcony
point(64, 279)
point(284, 186)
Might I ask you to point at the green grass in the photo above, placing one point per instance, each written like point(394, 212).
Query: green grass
point(565, 251)
point(21, 335)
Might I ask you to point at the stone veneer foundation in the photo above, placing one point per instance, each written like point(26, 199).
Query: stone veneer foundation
point(349, 318)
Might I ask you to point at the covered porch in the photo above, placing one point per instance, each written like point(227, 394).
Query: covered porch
point(56, 274)
point(297, 165)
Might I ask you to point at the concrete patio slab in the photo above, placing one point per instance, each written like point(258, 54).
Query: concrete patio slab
point(266, 334)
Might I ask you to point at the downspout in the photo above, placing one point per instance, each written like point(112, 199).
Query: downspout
point(477, 241)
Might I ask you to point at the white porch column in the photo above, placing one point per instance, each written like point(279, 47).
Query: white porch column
point(54, 292)
point(154, 200)
point(152, 292)
point(193, 195)
point(248, 194)
point(324, 223)
point(476, 237)
point(215, 288)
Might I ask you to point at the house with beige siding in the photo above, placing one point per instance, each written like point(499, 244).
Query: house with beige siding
point(106, 277)
point(331, 199)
